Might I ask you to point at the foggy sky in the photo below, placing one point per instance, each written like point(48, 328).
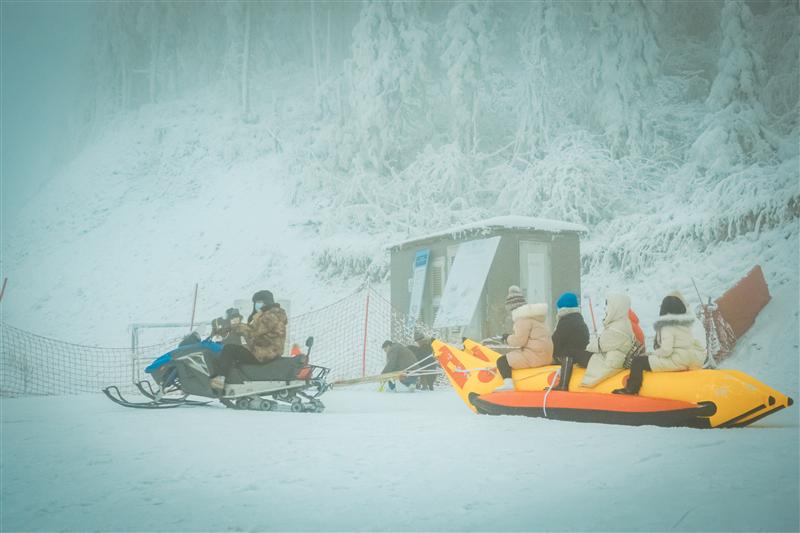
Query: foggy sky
point(44, 46)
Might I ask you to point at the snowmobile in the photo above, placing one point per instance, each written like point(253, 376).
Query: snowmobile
point(693, 398)
point(284, 384)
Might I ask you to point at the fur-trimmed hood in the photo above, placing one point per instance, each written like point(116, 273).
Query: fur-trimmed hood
point(535, 311)
point(568, 311)
point(685, 320)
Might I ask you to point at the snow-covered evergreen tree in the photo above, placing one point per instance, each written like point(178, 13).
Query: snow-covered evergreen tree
point(467, 43)
point(735, 132)
point(536, 101)
point(622, 64)
point(388, 76)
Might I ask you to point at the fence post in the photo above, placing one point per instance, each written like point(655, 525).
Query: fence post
point(134, 350)
point(194, 306)
point(366, 329)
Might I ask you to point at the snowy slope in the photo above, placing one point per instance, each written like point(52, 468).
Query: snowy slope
point(383, 461)
point(169, 196)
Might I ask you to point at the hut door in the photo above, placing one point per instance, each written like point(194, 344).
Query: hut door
point(535, 273)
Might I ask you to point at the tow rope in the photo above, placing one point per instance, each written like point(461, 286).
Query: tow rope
point(546, 394)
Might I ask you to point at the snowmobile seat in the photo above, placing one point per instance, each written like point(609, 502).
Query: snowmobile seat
point(280, 369)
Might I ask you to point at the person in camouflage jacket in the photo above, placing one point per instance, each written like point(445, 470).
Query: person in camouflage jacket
point(265, 331)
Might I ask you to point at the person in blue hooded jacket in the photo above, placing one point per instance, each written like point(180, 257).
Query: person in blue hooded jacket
point(570, 337)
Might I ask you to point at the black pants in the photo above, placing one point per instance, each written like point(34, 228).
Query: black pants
point(426, 382)
point(233, 354)
point(638, 366)
point(503, 367)
point(581, 358)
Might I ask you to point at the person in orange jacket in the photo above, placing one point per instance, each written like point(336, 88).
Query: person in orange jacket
point(637, 329)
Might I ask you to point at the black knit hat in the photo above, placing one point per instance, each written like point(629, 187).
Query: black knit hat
point(672, 305)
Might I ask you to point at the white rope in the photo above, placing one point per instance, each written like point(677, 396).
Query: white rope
point(546, 394)
point(468, 370)
point(409, 367)
point(432, 368)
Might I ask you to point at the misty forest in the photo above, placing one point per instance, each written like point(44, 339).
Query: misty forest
point(659, 125)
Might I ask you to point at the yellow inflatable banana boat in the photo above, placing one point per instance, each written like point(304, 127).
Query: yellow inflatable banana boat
point(697, 398)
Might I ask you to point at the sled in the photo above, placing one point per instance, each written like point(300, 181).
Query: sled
point(468, 373)
point(713, 398)
point(594, 407)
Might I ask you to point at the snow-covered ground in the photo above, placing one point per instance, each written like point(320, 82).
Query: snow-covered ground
point(383, 461)
point(399, 461)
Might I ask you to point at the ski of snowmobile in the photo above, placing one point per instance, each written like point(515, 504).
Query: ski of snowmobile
point(146, 388)
point(113, 393)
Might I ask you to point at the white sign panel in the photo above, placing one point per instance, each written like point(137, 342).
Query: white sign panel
point(465, 282)
point(418, 284)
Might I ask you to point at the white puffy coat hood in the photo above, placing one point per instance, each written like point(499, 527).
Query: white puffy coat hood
point(535, 311)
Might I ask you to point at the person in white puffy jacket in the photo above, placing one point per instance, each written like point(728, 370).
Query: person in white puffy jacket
point(610, 348)
point(676, 348)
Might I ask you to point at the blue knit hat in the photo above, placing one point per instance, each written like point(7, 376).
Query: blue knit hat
point(567, 299)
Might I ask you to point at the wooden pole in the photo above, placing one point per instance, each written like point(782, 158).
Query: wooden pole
point(591, 312)
point(370, 379)
point(194, 306)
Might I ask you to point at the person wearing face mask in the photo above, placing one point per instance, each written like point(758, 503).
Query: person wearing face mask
point(264, 333)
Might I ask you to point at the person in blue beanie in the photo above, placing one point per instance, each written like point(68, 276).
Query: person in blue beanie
point(570, 337)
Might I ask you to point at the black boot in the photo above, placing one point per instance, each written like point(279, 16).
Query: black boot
point(566, 374)
point(638, 366)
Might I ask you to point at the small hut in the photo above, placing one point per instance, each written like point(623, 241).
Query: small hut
point(456, 280)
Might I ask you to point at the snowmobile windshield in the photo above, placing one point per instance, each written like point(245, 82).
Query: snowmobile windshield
point(214, 347)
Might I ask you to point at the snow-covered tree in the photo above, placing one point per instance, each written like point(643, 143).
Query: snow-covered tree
point(388, 75)
point(542, 94)
point(467, 42)
point(780, 31)
point(622, 64)
point(735, 131)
